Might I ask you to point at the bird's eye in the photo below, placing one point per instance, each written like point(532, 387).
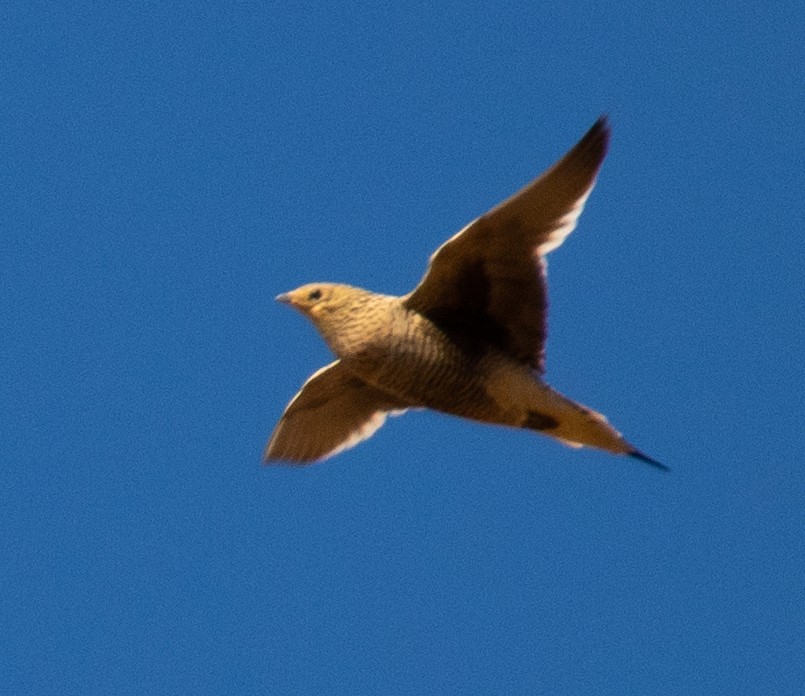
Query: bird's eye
point(314, 294)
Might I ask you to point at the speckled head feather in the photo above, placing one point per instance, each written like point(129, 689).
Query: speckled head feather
point(343, 314)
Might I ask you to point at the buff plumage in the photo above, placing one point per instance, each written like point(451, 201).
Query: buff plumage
point(468, 340)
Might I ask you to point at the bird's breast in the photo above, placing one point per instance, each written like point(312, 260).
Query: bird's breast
point(417, 362)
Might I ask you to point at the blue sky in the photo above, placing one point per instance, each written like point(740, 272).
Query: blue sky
point(169, 168)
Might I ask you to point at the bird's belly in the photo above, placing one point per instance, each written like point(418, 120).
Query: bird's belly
point(434, 374)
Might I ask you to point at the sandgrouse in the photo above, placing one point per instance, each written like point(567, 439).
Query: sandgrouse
point(468, 341)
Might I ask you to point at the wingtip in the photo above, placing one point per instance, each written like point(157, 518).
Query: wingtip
point(275, 461)
point(637, 454)
point(273, 457)
point(599, 133)
point(591, 150)
point(267, 458)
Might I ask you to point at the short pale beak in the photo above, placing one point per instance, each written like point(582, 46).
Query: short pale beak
point(285, 298)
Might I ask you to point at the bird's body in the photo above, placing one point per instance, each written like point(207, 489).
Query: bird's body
point(468, 341)
point(448, 376)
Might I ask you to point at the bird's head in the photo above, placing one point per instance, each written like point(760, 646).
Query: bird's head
point(313, 299)
point(325, 302)
point(343, 314)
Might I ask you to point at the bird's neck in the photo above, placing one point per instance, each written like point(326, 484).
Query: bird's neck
point(355, 329)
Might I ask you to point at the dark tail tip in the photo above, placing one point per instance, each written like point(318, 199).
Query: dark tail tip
point(637, 454)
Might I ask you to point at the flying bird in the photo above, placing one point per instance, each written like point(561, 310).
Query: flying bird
point(469, 340)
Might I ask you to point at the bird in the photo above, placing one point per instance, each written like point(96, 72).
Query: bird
point(468, 341)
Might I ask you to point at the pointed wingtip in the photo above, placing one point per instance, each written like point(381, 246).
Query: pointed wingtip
point(589, 152)
point(599, 134)
point(637, 454)
point(601, 124)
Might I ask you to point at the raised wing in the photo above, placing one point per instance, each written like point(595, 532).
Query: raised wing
point(487, 283)
point(333, 411)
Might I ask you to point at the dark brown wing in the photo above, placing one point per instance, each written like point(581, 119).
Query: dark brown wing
point(333, 411)
point(487, 283)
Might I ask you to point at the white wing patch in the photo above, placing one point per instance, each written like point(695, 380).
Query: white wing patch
point(364, 432)
point(564, 225)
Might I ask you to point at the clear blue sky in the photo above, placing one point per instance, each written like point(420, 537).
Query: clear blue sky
point(168, 168)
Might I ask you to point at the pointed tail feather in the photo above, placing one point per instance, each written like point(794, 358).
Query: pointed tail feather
point(637, 454)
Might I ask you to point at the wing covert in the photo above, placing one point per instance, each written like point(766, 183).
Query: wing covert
point(488, 282)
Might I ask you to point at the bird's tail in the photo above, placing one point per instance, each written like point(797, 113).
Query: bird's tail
point(573, 424)
point(527, 402)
